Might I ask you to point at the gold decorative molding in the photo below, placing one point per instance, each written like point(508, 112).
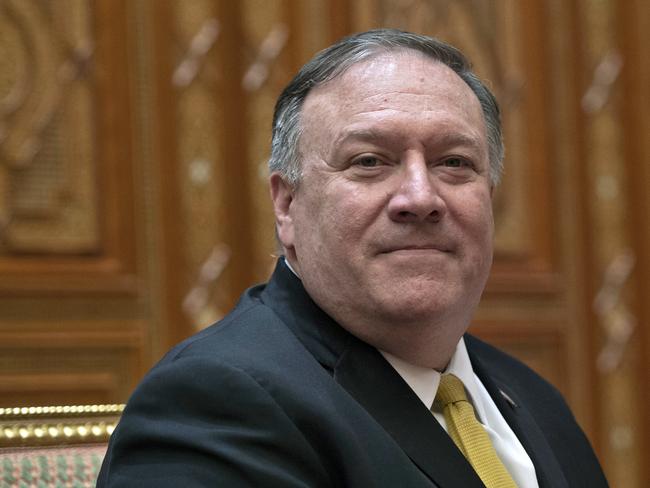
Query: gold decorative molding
point(55, 425)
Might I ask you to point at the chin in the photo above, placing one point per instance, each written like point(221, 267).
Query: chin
point(425, 299)
point(412, 310)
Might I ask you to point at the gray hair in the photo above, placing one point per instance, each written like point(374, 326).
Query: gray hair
point(333, 61)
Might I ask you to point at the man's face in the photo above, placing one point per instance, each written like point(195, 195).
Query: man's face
point(391, 225)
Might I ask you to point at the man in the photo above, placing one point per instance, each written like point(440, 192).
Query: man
point(386, 150)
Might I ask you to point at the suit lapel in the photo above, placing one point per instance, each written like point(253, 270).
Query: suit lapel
point(368, 377)
point(522, 423)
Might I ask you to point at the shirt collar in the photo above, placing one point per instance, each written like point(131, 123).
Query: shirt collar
point(425, 381)
point(286, 261)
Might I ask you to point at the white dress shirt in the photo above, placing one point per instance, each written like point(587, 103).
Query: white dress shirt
point(424, 382)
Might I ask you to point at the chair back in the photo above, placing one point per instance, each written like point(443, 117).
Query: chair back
point(54, 445)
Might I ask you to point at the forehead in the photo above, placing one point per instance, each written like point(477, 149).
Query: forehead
point(394, 85)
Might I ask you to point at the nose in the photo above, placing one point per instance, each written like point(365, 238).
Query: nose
point(415, 198)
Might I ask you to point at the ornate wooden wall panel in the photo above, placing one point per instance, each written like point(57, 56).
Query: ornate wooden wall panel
point(266, 71)
point(66, 208)
point(134, 207)
point(199, 36)
point(71, 326)
point(609, 248)
point(633, 29)
point(72, 364)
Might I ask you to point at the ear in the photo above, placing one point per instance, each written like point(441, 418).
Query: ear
point(282, 195)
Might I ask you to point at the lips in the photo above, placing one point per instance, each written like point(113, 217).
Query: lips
point(417, 248)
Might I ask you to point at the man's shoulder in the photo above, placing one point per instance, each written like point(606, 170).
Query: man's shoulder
point(249, 326)
point(251, 341)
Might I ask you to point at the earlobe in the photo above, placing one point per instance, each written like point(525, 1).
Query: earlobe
point(282, 196)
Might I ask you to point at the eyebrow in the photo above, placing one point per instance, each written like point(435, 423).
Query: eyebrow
point(373, 135)
point(456, 139)
point(368, 135)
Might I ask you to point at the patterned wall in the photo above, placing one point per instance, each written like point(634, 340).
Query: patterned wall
point(134, 207)
point(46, 94)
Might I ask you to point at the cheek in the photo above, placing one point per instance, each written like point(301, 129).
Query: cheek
point(485, 223)
point(475, 217)
point(317, 222)
point(481, 230)
point(483, 239)
point(346, 211)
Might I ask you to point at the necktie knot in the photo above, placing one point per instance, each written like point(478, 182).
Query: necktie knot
point(451, 390)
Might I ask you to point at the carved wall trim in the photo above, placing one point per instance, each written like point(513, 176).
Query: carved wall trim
point(85, 240)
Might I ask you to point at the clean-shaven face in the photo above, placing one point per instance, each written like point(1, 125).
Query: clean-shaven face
point(391, 228)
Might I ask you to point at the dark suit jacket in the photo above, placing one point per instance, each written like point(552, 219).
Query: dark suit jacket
point(277, 394)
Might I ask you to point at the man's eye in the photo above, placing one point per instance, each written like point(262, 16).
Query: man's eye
point(455, 162)
point(368, 162)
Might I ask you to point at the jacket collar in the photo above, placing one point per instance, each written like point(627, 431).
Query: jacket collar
point(318, 332)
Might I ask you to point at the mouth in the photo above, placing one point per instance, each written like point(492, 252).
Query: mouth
point(417, 249)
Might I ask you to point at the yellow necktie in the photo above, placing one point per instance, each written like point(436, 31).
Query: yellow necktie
point(469, 435)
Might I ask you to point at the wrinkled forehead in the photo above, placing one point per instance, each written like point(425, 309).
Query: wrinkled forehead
point(384, 76)
point(389, 83)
